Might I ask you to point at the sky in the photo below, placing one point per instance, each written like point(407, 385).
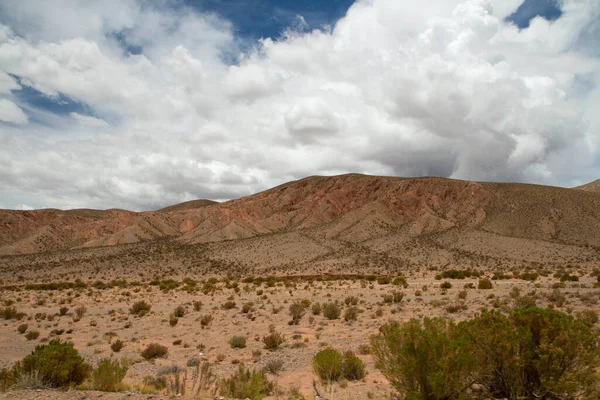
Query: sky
point(142, 104)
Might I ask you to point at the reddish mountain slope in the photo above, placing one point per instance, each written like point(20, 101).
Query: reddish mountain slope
point(433, 218)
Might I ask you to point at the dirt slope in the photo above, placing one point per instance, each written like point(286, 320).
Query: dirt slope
point(344, 220)
point(591, 187)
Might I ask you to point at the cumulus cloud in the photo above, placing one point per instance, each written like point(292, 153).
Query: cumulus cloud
point(10, 112)
point(394, 88)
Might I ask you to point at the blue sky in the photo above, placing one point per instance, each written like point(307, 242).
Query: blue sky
point(142, 104)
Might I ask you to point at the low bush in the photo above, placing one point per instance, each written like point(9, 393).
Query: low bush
point(297, 311)
point(327, 365)
point(179, 311)
point(205, 320)
point(485, 284)
point(140, 308)
point(7, 379)
point(353, 367)
point(274, 366)
point(237, 342)
point(155, 350)
point(22, 328)
point(246, 384)
point(331, 311)
point(273, 340)
point(108, 375)
point(57, 363)
point(117, 345)
point(351, 314)
point(32, 335)
point(531, 353)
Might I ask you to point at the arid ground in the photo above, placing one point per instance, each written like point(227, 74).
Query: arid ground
point(379, 248)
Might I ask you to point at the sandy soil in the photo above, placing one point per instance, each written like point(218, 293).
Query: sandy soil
point(108, 318)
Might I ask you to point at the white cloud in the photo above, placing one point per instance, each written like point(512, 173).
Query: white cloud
point(395, 87)
point(10, 112)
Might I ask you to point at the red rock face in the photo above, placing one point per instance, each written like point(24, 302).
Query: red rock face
point(352, 205)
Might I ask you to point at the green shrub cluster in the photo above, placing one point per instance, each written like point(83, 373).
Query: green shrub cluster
point(331, 366)
point(458, 274)
point(531, 353)
point(155, 350)
point(108, 375)
point(246, 384)
point(331, 310)
point(140, 308)
point(57, 363)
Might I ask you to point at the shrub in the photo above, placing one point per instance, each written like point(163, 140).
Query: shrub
point(422, 360)
point(351, 314)
point(400, 281)
point(80, 311)
point(58, 364)
point(8, 313)
point(237, 342)
point(273, 340)
point(179, 311)
point(316, 309)
point(63, 310)
point(588, 317)
point(245, 383)
point(155, 350)
point(197, 305)
point(274, 366)
point(32, 335)
point(7, 379)
point(446, 285)
point(331, 311)
point(532, 353)
point(297, 311)
point(173, 320)
point(384, 280)
point(205, 320)
point(485, 284)
point(353, 367)
point(247, 307)
point(327, 365)
point(108, 375)
point(228, 305)
point(117, 346)
point(140, 308)
point(22, 328)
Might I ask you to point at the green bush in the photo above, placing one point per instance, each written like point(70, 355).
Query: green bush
point(316, 309)
point(246, 384)
point(108, 375)
point(485, 284)
point(140, 308)
point(7, 379)
point(273, 340)
point(423, 360)
point(532, 353)
point(237, 342)
point(327, 365)
point(179, 311)
point(331, 311)
point(297, 311)
point(155, 350)
point(353, 367)
point(446, 285)
point(22, 328)
point(351, 314)
point(57, 363)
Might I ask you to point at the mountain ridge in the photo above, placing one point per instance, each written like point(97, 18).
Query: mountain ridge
point(413, 220)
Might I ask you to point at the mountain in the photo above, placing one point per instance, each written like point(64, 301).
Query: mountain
point(188, 205)
point(324, 223)
point(591, 187)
